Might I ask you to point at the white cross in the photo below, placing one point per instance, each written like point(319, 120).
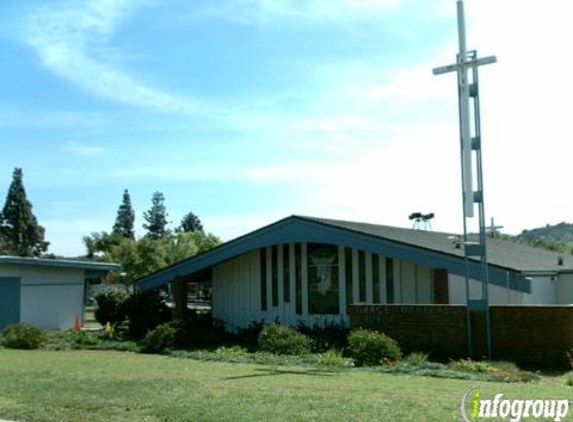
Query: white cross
point(461, 66)
point(493, 229)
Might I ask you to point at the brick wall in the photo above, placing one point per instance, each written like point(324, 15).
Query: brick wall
point(531, 336)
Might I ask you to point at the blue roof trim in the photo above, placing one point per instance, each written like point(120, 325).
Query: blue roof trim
point(298, 229)
point(63, 263)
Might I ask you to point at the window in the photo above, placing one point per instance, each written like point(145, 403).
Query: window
point(263, 279)
point(348, 276)
point(376, 278)
point(389, 280)
point(323, 279)
point(298, 274)
point(362, 275)
point(275, 275)
point(286, 272)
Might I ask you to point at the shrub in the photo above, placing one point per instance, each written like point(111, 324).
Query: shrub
point(145, 311)
point(110, 306)
point(283, 340)
point(249, 336)
point(333, 358)
point(416, 358)
point(159, 339)
point(23, 336)
point(569, 382)
point(84, 338)
point(232, 351)
point(370, 348)
point(201, 330)
point(325, 337)
point(468, 365)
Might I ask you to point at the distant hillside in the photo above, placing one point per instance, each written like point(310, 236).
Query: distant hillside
point(562, 232)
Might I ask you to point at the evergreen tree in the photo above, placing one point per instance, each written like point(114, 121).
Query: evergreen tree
point(190, 223)
point(156, 217)
point(20, 233)
point(125, 218)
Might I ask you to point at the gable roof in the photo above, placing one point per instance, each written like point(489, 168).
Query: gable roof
point(509, 262)
point(503, 253)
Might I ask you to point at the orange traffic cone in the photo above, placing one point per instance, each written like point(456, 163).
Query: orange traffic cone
point(78, 325)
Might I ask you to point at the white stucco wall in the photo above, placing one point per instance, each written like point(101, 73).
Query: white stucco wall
point(50, 297)
point(564, 289)
point(543, 292)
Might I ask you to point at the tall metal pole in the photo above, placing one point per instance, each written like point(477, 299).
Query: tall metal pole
point(468, 92)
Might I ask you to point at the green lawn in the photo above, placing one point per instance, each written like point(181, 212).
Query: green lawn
point(115, 386)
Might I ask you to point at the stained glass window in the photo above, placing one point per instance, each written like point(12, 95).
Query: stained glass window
point(323, 279)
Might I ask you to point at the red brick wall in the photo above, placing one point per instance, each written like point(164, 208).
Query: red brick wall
point(533, 336)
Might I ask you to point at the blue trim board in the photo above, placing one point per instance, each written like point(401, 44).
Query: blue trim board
point(297, 229)
point(9, 301)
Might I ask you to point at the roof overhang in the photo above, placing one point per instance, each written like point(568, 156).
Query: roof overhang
point(60, 263)
point(299, 229)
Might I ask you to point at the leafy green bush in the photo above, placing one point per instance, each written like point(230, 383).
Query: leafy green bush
point(325, 337)
point(499, 370)
point(468, 365)
point(569, 382)
point(201, 330)
point(110, 306)
point(416, 358)
point(371, 348)
point(145, 311)
point(283, 340)
point(159, 339)
point(334, 359)
point(232, 351)
point(22, 336)
point(85, 338)
point(249, 336)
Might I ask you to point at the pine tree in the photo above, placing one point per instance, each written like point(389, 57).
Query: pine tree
point(156, 217)
point(190, 223)
point(125, 218)
point(20, 233)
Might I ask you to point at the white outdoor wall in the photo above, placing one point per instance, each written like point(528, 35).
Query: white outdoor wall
point(236, 291)
point(543, 292)
point(236, 288)
point(564, 289)
point(51, 297)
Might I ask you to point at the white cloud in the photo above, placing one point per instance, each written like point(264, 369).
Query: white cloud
point(262, 12)
point(73, 41)
point(83, 150)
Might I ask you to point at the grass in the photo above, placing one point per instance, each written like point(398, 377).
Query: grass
point(117, 386)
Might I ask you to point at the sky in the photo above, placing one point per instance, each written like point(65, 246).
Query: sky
point(248, 111)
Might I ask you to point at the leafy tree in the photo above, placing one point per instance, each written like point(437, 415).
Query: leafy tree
point(125, 218)
point(146, 255)
point(156, 217)
point(97, 244)
point(20, 233)
point(190, 223)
